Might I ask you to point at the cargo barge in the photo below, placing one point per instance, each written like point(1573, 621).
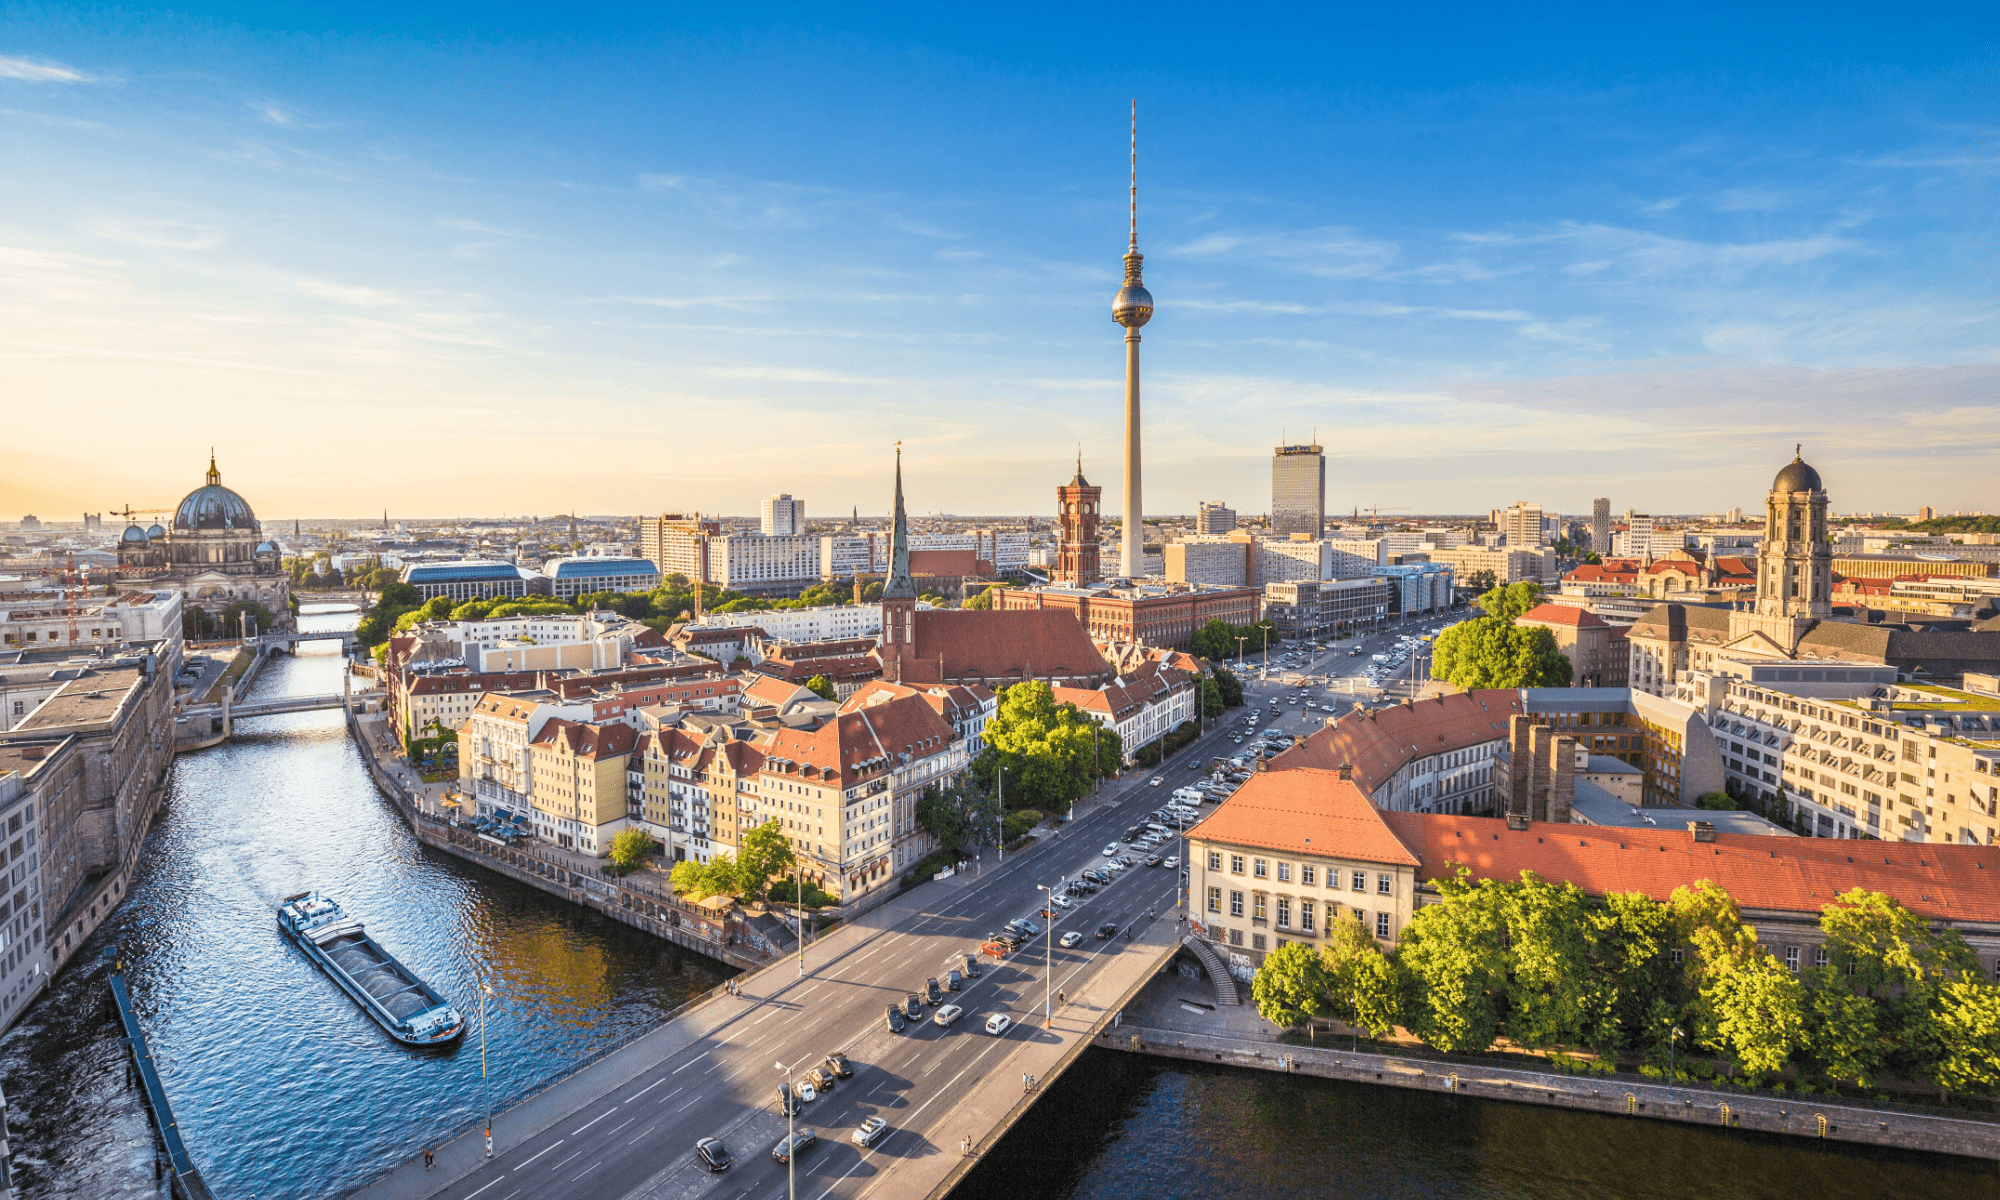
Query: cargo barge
point(403, 1005)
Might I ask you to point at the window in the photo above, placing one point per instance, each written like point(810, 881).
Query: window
point(1306, 915)
point(1792, 959)
point(1381, 925)
point(1256, 941)
point(1236, 864)
point(1236, 937)
point(1215, 899)
point(1385, 885)
point(1215, 860)
point(1284, 912)
point(1284, 872)
point(1259, 868)
point(1361, 881)
point(1308, 875)
point(1236, 904)
point(1259, 906)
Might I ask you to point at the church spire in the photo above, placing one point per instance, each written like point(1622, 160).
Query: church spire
point(899, 586)
point(214, 476)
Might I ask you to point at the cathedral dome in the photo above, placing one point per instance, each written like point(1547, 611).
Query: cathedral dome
point(133, 535)
point(213, 506)
point(157, 532)
point(1797, 476)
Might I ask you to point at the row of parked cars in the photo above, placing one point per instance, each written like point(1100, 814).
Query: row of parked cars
point(714, 1156)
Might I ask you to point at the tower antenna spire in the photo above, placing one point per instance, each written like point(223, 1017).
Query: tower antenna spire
point(1134, 245)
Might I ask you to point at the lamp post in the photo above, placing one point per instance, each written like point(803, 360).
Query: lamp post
point(791, 1132)
point(799, 902)
point(1000, 817)
point(1048, 958)
point(485, 1095)
point(1673, 1035)
point(1240, 639)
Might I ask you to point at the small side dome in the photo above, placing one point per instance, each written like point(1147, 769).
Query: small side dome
point(157, 531)
point(267, 547)
point(134, 535)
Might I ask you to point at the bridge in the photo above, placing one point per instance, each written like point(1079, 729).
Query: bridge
point(209, 724)
point(625, 1123)
point(289, 640)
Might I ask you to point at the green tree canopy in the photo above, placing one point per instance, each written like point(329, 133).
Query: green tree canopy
point(1494, 652)
point(1511, 601)
point(631, 847)
point(1292, 986)
point(1048, 753)
point(960, 816)
point(1363, 986)
point(766, 852)
point(1227, 686)
point(1456, 966)
point(821, 686)
point(984, 600)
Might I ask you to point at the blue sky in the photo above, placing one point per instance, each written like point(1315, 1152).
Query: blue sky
point(504, 262)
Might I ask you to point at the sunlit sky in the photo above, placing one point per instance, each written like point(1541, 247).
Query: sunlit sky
point(529, 260)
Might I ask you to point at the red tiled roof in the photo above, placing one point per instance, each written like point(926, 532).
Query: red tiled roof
point(1287, 810)
point(1563, 614)
point(586, 740)
point(875, 736)
point(944, 562)
point(1378, 744)
point(1956, 883)
point(1015, 644)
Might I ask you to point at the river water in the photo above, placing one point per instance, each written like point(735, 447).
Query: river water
point(281, 1086)
point(285, 1090)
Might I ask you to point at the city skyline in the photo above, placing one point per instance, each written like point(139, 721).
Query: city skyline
point(306, 247)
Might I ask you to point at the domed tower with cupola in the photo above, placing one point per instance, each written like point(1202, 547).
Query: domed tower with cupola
point(1795, 561)
point(215, 530)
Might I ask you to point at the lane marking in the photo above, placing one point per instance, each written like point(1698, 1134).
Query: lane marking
point(670, 1095)
point(649, 1087)
point(689, 1104)
point(619, 1126)
point(690, 1062)
point(643, 1133)
point(767, 1016)
point(573, 1156)
point(587, 1170)
point(539, 1153)
point(470, 1195)
point(594, 1120)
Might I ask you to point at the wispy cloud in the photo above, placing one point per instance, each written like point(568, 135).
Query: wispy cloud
point(749, 205)
point(40, 72)
point(158, 235)
point(347, 294)
point(745, 303)
point(1330, 252)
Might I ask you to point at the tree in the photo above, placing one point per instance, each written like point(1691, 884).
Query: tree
point(1635, 935)
point(630, 848)
point(1292, 986)
point(1049, 753)
point(1511, 601)
point(1456, 969)
point(1494, 652)
point(1555, 993)
point(1478, 581)
point(1843, 1031)
point(1969, 1019)
point(1891, 955)
point(1759, 1009)
point(821, 686)
point(1211, 698)
point(1716, 801)
point(1362, 983)
point(1216, 640)
point(766, 851)
point(984, 600)
point(1226, 683)
point(688, 877)
point(960, 816)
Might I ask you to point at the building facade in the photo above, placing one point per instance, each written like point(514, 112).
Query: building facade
point(474, 579)
point(1214, 517)
point(1298, 490)
point(573, 577)
point(1215, 561)
point(782, 516)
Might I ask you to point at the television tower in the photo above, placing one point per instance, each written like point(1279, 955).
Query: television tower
point(1132, 308)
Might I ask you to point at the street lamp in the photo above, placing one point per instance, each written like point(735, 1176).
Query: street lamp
point(485, 1095)
point(1673, 1035)
point(791, 1132)
point(1048, 958)
point(1000, 817)
point(799, 907)
point(1240, 639)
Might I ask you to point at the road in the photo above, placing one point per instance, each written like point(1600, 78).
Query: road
point(1347, 681)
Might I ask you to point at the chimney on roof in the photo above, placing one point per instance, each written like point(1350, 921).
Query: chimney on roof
point(1263, 764)
point(1517, 821)
point(1703, 831)
point(1347, 770)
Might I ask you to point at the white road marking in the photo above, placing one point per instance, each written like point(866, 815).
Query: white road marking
point(689, 1104)
point(587, 1170)
point(671, 1095)
point(690, 1062)
point(537, 1154)
point(594, 1120)
point(573, 1156)
point(649, 1087)
point(472, 1194)
point(620, 1125)
point(643, 1133)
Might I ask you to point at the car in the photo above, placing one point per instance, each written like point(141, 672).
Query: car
point(913, 1007)
point(1026, 926)
point(1156, 781)
point(1124, 860)
point(1059, 900)
point(953, 981)
point(870, 1132)
point(837, 1063)
point(1153, 860)
point(895, 1019)
point(1173, 860)
point(1195, 765)
point(1111, 850)
point(1070, 940)
point(1107, 930)
point(821, 1080)
point(999, 1023)
point(807, 1092)
point(932, 993)
point(1119, 864)
point(712, 1154)
point(793, 1145)
point(971, 966)
point(946, 1015)
point(788, 1102)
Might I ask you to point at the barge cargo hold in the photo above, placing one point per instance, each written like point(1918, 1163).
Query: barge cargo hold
point(403, 1005)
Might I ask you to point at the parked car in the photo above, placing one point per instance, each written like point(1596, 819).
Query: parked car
point(932, 994)
point(806, 1091)
point(953, 981)
point(999, 1023)
point(712, 1154)
point(788, 1102)
point(821, 1079)
point(1059, 900)
point(1111, 850)
point(913, 1007)
point(870, 1132)
point(793, 1145)
point(837, 1063)
point(1026, 926)
point(946, 1015)
point(895, 1019)
point(971, 966)
point(1070, 939)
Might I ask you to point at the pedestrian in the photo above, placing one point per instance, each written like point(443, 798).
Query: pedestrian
point(428, 1158)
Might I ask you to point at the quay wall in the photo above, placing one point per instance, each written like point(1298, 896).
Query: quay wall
point(1798, 1116)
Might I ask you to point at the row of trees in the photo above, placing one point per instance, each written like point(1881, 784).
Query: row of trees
point(1492, 651)
point(764, 855)
point(1634, 979)
point(197, 624)
point(1216, 640)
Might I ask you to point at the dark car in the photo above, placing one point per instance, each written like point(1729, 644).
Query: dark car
point(796, 1144)
point(1108, 930)
point(1152, 860)
point(711, 1153)
point(837, 1063)
point(932, 994)
point(1131, 832)
point(789, 1103)
point(971, 967)
point(953, 980)
point(821, 1079)
point(1007, 938)
point(896, 1022)
point(913, 1007)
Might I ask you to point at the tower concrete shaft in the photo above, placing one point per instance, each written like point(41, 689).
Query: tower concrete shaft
point(1133, 307)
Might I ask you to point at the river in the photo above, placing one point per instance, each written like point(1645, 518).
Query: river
point(281, 1086)
point(284, 1090)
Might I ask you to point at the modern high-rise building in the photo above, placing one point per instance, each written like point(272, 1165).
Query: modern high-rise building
point(1132, 307)
point(677, 543)
point(784, 516)
point(1079, 505)
point(1522, 523)
point(1298, 490)
point(1639, 535)
point(1213, 516)
point(1600, 526)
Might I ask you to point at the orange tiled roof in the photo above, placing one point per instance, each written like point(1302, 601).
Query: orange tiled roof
point(1563, 614)
point(1304, 812)
point(1378, 744)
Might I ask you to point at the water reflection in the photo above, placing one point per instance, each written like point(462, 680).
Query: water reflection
point(282, 1086)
